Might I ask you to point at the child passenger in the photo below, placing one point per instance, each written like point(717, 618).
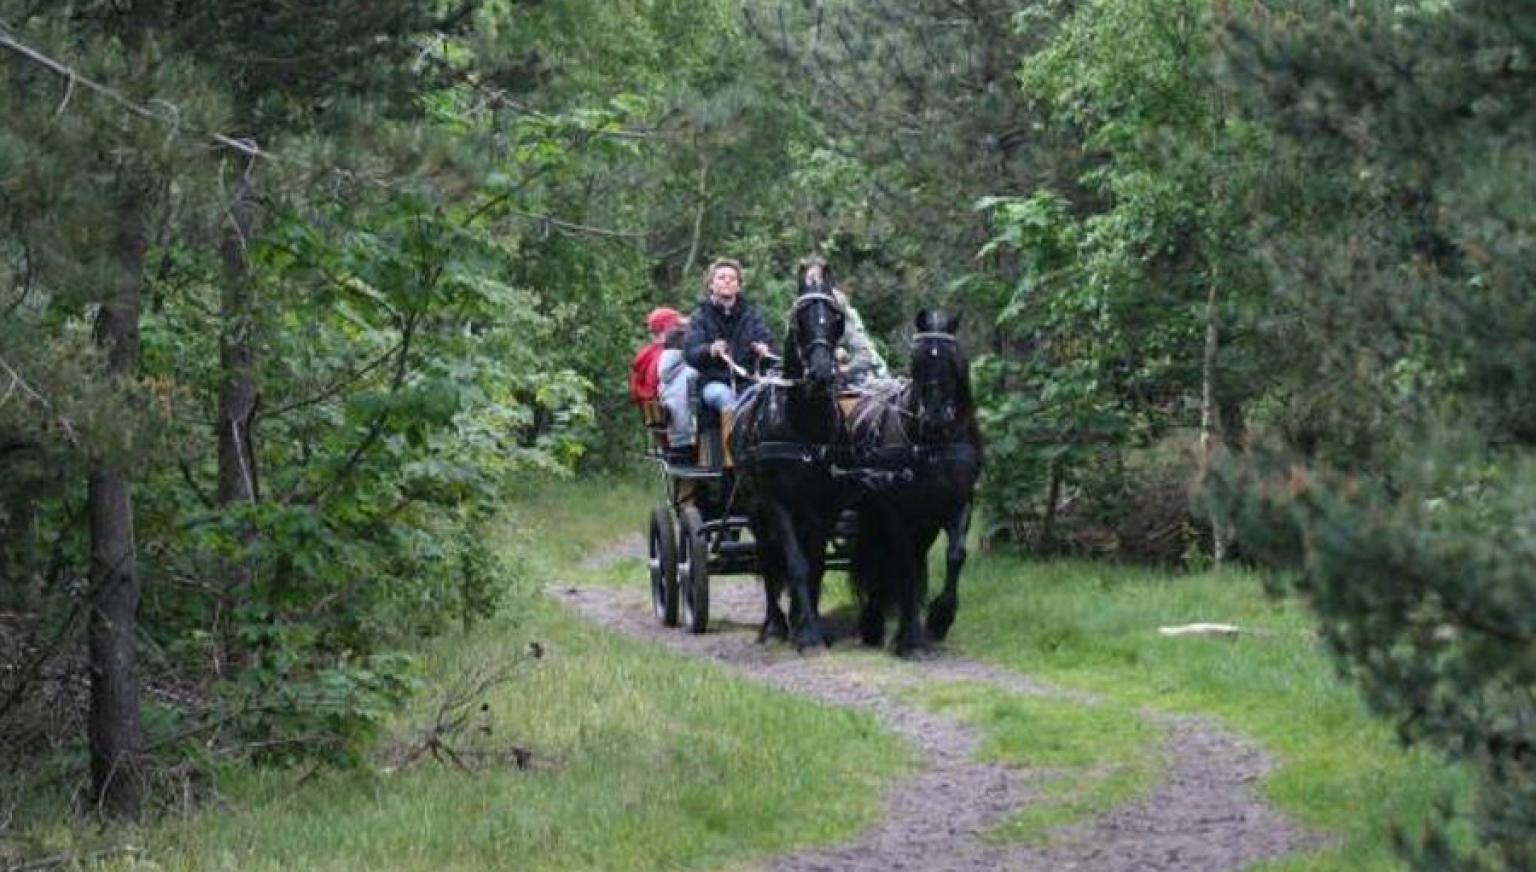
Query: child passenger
point(643, 377)
point(677, 380)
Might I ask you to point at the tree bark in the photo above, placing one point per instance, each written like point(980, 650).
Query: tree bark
point(1048, 543)
point(1211, 436)
point(698, 221)
point(238, 396)
point(115, 730)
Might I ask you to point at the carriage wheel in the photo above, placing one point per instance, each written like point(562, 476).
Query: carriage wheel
point(663, 565)
point(693, 571)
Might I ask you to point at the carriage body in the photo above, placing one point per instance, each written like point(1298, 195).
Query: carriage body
point(699, 529)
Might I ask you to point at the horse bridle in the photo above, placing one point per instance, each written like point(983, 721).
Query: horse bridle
point(928, 336)
point(933, 336)
point(817, 297)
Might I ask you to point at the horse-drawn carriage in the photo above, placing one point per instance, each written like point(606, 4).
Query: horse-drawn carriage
point(799, 479)
point(699, 529)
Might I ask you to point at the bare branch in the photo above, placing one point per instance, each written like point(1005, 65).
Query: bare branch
point(73, 77)
point(32, 394)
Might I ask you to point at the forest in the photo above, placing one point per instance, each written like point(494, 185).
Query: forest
point(295, 298)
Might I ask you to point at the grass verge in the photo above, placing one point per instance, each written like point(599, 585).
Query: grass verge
point(640, 759)
point(1093, 626)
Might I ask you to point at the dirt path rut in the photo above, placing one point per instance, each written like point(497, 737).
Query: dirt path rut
point(1204, 815)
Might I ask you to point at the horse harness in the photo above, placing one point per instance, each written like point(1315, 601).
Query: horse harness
point(891, 457)
point(842, 458)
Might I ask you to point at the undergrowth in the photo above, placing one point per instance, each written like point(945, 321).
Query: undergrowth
point(592, 751)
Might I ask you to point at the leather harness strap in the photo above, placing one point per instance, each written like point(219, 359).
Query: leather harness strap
point(892, 457)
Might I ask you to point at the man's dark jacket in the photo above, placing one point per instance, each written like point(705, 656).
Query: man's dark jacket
point(742, 327)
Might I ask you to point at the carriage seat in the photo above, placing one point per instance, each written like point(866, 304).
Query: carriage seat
point(654, 416)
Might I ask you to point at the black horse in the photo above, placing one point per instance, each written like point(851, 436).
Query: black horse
point(927, 427)
point(782, 443)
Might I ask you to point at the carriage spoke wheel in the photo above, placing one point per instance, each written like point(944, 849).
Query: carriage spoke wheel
point(663, 565)
point(693, 571)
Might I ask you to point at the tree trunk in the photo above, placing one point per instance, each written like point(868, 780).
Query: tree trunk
point(698, 221)
point(1048, 543)
point(1211, 424)
point(116, 732)
point(238, 397)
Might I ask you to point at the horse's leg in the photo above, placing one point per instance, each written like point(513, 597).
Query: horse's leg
point(805, 623)
point(872, 573)
point(941, 612)
point(814, 546)
point(774, 625)
point(912, 590)
point(816, 553)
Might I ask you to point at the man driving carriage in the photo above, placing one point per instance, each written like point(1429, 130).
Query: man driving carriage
point(726, 328)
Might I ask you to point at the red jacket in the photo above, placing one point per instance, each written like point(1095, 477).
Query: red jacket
point(643, 378)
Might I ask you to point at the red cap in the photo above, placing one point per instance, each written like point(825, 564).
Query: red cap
point(661, 319)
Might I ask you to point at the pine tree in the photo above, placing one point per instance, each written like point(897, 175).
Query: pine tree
point(1403, 502)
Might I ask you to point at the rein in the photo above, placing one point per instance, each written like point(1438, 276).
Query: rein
point(741, 372)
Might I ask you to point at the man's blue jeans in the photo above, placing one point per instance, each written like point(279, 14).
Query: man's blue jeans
point(718, 396)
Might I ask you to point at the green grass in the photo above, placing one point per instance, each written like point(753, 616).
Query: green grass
point(642, 759)
point(563, 524)
point(1097, 756)
point(1093, 626)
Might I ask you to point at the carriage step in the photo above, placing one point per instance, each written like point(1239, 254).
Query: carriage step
point(733, 523)
point(733, 549)
point(677, 470)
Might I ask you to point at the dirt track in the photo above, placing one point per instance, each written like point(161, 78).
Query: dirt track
point(1204, 815)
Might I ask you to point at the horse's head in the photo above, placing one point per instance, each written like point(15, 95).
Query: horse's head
point(816, 322)
point(941, 378)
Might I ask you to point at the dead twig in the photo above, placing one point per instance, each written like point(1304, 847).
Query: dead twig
point(462, 711)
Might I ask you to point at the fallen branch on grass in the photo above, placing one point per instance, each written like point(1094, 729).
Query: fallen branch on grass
point(461, 713)
point(1222, 630)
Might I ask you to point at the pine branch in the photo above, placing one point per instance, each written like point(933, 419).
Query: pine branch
point(72, 77)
